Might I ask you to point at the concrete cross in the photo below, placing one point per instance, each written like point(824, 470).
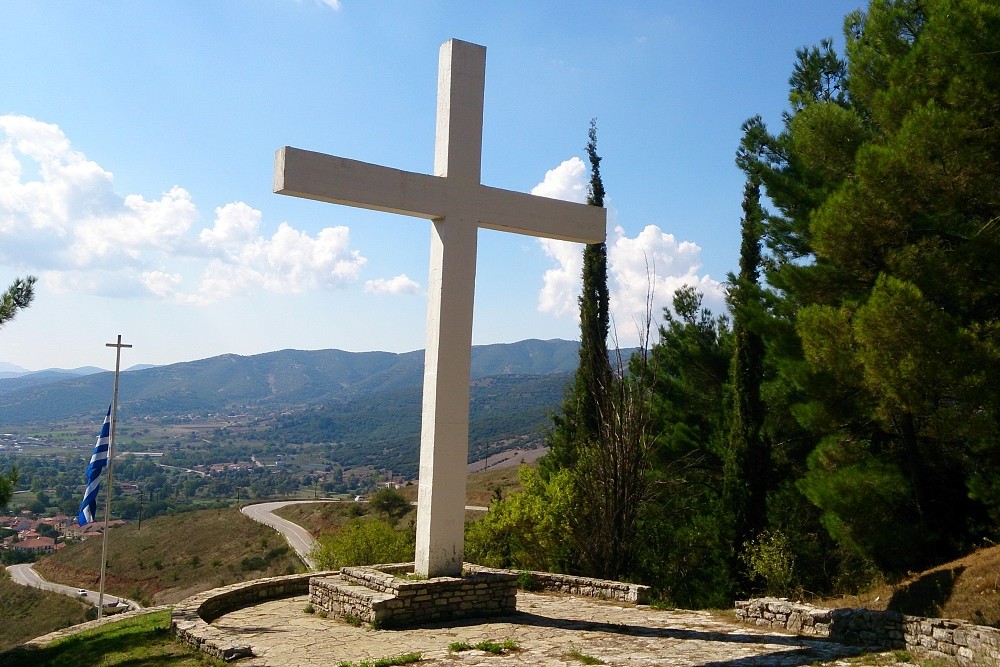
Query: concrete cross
point(457, 204)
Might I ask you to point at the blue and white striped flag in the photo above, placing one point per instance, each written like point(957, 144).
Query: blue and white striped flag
point(98, 460)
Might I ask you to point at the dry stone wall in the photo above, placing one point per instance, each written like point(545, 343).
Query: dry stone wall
point(572, 585)
point(960, 641)
point(376, 595)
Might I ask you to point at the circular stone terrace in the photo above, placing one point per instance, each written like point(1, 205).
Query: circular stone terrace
point(547, 628)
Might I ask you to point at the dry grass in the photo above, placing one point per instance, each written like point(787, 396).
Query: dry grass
point(967, 589)
point(28, 612)
point(173, 557)
point(479, 487)
point(329, 517)
point(325, 517)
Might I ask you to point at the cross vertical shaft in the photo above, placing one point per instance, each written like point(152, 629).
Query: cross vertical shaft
point(444, 435)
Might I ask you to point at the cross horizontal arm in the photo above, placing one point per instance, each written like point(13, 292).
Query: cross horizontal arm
point(522, 213)
point(339, 180)
point(342, 181)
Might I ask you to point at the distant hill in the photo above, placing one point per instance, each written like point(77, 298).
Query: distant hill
point(383, 429)
point(10, 371)
point(271, 381)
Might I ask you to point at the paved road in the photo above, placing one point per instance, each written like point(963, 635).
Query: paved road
point(25, 575)
point(298, 537)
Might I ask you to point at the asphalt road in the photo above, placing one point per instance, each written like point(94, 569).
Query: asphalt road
point(25, 575)
point(298, 537)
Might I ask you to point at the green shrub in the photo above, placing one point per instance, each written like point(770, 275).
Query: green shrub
point(362, 543)
point(770, 559)
point(575, 654)
point(391, 503)
point(526, 582)
point(404, 659)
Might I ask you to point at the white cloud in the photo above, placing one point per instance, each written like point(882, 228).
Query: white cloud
point(235, 224)
point(652, 260)
point(332, 4)
point(561, 284)
point(568, 182)
point(160, 283)
point(60, 216)
point(401, 284)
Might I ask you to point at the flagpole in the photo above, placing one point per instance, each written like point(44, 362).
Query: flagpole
point(111, 453)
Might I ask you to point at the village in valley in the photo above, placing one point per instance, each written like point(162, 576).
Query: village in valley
point(184, 476)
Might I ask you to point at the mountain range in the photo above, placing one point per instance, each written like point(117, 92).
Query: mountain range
point(533, 370)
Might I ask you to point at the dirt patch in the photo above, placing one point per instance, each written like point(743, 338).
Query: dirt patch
point(967, 588)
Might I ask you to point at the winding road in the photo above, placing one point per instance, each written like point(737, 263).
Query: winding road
point(25, 575)
point(298, 537)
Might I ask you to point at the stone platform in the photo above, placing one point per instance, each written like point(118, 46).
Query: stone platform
point(549, 629)
point(383, 596)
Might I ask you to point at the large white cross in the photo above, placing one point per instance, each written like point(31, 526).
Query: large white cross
point(458, 204)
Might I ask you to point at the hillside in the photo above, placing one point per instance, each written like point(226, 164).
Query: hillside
point(201, 550)
point(174, 557)
point(383, 430)
point(272, 381)
point(967, 588)
point(29, 612)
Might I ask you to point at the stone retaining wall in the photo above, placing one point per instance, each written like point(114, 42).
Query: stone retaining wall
point(960, 641)
point(190, 619)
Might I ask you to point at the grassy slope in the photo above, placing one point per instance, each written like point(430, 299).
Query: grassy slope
point(174, 557)
point(325, 517)
point(28, 612)
point(144, 640)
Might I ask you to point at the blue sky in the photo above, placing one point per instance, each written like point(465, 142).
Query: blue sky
point(137, 143)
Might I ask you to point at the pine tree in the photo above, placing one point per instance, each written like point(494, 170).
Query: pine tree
point(19, 295)
point(883, 274)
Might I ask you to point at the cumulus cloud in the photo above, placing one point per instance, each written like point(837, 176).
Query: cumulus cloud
point(651, 262)
point(60, 213)
point(561, 284)
point(401, 284)
point(568, 182)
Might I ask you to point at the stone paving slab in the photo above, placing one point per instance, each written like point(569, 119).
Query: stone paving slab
point(546, 628)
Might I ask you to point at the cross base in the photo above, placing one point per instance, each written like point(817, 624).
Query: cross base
point(383, 596)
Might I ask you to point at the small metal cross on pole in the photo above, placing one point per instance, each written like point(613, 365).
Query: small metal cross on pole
point(111, 453)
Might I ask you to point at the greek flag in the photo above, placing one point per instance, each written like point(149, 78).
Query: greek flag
point(98, 461)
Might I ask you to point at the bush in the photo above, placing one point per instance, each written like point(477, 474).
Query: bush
point(391, 503)
point(362, 543)
point(770, 558)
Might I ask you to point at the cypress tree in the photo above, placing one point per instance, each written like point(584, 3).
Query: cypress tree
point(580, 416)
point(748, 459)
